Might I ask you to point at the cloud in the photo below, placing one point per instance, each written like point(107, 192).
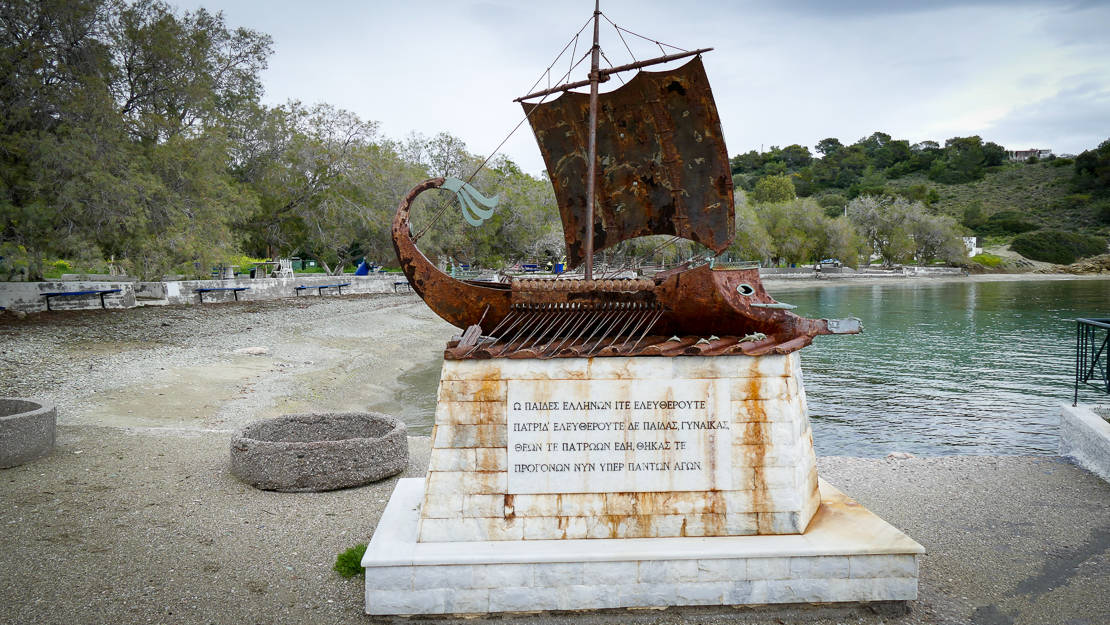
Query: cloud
point(851, 9)
point(1073, 120)
point(782, 73)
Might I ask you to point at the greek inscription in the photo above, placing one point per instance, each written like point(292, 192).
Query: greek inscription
point(617, 436)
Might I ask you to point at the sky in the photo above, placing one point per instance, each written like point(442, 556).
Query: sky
point(1022, 73)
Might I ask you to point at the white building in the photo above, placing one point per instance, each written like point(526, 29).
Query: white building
point(1024, 155)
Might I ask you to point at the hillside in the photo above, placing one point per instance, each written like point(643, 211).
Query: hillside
point(1041, 192)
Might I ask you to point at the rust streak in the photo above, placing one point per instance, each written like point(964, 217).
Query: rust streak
point(754, 440)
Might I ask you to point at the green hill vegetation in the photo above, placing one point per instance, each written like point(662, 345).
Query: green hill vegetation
point(966, 180)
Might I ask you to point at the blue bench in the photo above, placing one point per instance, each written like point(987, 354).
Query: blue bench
point(320, 289)
point(530, 268)
point(100, 292)
point(234, 289)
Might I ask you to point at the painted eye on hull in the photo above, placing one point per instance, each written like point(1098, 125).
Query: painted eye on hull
point(744, 289)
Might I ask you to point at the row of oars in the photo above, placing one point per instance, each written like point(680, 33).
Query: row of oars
point(544, 330)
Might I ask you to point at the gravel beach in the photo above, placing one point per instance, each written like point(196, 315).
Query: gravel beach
point(134, 518)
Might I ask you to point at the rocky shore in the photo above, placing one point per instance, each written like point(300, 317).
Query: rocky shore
point(134, 517)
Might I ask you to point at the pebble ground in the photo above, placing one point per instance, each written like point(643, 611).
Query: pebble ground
point(134, 517)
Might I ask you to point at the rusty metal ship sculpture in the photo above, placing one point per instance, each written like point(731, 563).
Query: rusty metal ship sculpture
point(648, 158)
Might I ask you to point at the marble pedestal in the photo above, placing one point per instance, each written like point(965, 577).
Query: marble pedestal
point(640, 447)
point(847, 554)
point(581, 483)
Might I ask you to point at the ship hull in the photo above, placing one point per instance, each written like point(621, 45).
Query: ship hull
point(701, 302)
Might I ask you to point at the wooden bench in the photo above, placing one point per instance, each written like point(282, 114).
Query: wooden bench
point(234, 289)
point(100, 292)
point(320, 289)
point(398, 285)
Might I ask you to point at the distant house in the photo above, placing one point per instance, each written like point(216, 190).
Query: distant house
point(1024, 155)
point(972, 245)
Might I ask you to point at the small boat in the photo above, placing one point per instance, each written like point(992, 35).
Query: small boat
point(648, 158)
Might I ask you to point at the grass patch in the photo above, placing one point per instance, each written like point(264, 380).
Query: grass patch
point(349, 563)
point(988, 260)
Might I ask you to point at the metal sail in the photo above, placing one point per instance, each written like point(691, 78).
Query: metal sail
point(661, 159)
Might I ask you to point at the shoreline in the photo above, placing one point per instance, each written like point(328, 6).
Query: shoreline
point(834, 280)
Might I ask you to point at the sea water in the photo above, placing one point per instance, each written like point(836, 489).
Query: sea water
point(941, 367)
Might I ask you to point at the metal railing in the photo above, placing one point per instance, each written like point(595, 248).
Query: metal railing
point(1092, 354)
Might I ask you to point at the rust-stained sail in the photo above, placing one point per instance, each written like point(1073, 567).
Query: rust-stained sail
point(662, 163)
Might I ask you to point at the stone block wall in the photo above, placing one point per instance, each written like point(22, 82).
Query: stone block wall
point(768, 487)
point(27, 296)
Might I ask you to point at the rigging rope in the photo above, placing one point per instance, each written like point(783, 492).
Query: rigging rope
point(611, 65)
point(439, 214)
point(621, 35)
point(655, 41)
point(573, 44)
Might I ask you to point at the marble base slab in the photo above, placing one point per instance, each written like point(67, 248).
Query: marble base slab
point(847, 554)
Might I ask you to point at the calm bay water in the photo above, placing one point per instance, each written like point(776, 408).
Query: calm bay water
point(945, 368)
point(940, 369)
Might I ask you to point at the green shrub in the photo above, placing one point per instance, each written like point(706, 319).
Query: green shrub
point(1103, 208)
point(349, 563)
point(1008, 222)
point(243, 262)
point(833, 203)
point(1057, 246)
point(988, 260)
point(54, 270)
point(1074, 201)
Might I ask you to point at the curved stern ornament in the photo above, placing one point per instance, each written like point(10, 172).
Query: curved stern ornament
point(468, 196)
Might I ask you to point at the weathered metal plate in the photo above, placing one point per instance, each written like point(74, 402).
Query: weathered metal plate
point(662, 162)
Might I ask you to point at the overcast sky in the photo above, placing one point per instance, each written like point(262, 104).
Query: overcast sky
point(1023, 74)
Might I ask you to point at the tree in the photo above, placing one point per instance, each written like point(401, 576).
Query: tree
point(936, 237)
point(752, 241)
point(829, 146)
point(794, 156)
point(993, 154)
point(883, 224)
point(175, 73)
point(801, 232)
point(771, 189)
point(870, 183)
point(839, 239)
point(1092, 169)
point(833, 203)
point(113, 133)
point(306, 182)
point(746, 163)
point(963, 160)
point(899, 230)
point(792, 227)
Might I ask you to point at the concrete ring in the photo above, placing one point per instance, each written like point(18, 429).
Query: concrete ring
point(319, 451)
point(26, 430)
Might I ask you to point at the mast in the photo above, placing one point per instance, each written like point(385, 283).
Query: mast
point(595, 65)
point(586, 201)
